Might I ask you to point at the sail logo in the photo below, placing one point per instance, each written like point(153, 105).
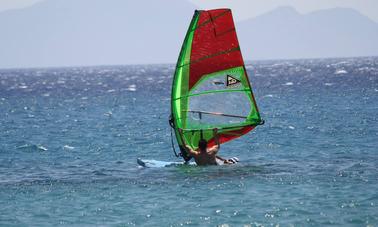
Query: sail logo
point(232, 81)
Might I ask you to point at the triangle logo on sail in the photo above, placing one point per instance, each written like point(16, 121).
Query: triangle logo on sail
point(232, 81)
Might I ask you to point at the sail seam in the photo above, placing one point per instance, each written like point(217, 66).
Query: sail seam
point(211, 19)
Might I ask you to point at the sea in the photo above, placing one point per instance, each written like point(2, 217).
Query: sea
point(70, 138)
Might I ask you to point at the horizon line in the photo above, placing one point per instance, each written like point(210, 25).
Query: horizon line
point(146, 64)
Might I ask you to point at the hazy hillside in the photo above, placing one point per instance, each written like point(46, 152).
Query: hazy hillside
point(99, 32)
point(284, 33)
point(93, 32)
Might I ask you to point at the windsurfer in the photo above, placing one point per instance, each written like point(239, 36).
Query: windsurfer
point(206, 156)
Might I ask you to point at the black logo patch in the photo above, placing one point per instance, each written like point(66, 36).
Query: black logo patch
point(232, 81)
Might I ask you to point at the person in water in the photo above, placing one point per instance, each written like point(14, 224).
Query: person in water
point(207, 156)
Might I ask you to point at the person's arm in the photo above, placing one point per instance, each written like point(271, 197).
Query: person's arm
point(191, 151)
point(214, 149)
point(188, 149)
point(216, 138)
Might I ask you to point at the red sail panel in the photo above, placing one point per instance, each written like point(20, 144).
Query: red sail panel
point(215, 46)
point(230, 135)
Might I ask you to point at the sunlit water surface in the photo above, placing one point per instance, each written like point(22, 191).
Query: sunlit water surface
point(70, 138)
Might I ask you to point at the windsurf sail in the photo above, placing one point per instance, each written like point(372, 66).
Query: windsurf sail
point(210, 87)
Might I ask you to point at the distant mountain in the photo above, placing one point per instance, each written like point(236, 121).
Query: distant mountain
point(284, 33)
point(93, 32)
point(101, 32)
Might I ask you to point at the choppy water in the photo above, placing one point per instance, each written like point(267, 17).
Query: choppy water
point(70, 137)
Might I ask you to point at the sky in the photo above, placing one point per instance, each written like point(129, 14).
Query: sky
point(244, 9)
point(14, 4)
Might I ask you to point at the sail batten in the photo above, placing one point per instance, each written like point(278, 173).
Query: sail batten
point(209, 92)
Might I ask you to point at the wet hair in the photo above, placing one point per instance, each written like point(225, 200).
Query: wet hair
point(202, 144)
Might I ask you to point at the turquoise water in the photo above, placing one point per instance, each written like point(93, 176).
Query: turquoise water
point(70, 138)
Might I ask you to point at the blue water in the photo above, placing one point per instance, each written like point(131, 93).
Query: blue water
point(70, 138)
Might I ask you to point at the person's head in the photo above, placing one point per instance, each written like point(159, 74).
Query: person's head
point(202, 144)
